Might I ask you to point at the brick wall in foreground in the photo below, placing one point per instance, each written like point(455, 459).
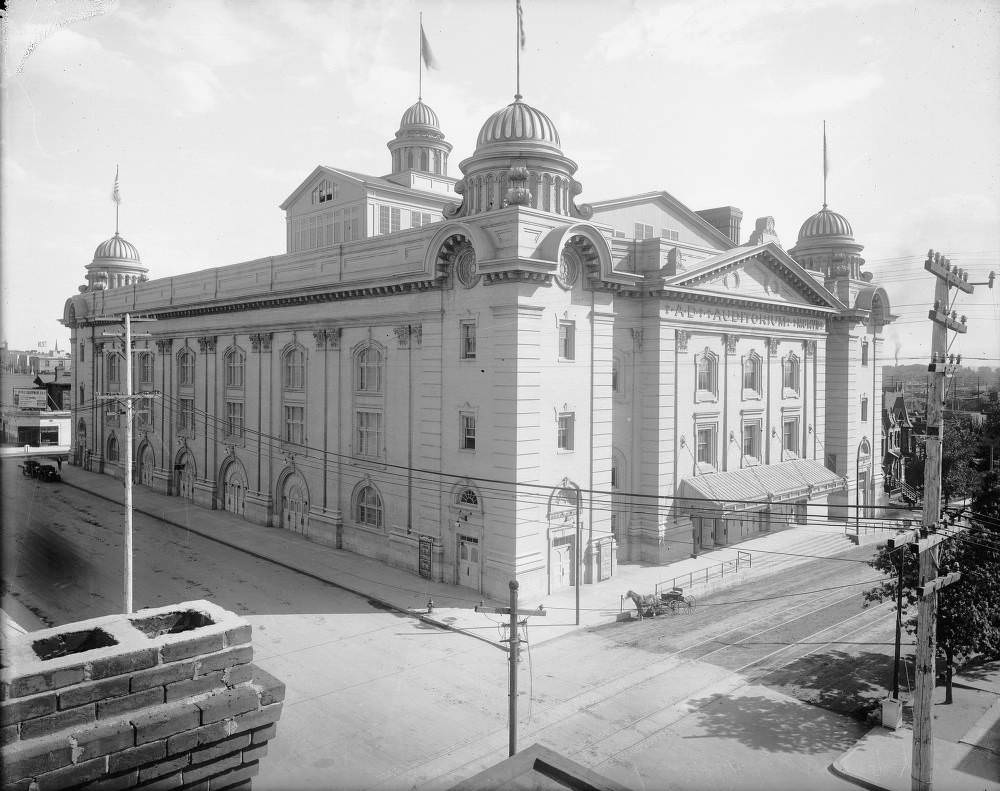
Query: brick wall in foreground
point(160, 699)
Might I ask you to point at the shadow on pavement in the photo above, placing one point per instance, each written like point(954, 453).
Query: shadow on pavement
point(847, 683)
point(771, 725)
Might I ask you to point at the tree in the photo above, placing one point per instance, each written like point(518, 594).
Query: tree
point(968, 619)
point(959, 460)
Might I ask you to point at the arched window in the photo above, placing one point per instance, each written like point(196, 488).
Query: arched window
point(113, 453)
point(235, 368)
point(752, 375)
point(409, 159)
point(293, 369)
point(185, 368)
point(707, 374)
point(368, 370)
point(368, 507)
point(114, 367)
point(790, 375)
point(425, 165)
point(468, 497)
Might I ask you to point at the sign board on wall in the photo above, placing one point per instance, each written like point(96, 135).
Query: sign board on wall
point(30, 398)
point(426, 544)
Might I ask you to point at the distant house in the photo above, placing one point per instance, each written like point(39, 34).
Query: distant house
point(899, 441)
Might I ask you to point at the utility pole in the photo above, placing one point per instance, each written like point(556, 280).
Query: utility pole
point(941, 367)
point(129, 412)
point(513, 656)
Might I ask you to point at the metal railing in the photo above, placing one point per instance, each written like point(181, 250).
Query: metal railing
point(743, 560)
point(875, 525)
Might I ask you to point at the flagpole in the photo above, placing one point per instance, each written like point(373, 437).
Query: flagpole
point(420, 58)
point(824, 163)
point(517, 46)
point(117, 202)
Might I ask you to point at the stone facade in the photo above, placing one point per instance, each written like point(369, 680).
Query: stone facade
point(455, 396)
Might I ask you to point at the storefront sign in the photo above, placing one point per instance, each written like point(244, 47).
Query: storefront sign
point(742, 318)
point(29, 398)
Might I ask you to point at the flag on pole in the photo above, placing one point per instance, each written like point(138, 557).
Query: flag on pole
point(520, 23)
point(425, 51)
point(826, 160)
point(115, 194)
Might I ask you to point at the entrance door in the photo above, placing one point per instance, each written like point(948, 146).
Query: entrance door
point(294, 507)
point(707, 533)
point(468, 562)
point(146, 466)
point(562, 566)
point(185, 473)
point(234, 489)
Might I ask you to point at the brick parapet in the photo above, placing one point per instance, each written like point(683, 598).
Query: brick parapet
point(172, 710)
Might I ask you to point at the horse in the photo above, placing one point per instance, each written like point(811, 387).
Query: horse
point(644, 605)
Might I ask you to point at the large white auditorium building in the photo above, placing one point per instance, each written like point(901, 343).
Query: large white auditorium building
point(446, 374)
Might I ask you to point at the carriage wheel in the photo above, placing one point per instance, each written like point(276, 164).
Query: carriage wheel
point(690, 602)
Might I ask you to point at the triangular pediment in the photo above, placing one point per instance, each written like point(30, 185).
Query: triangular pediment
point(764, 273)
point(320, 175)
point(662, 215)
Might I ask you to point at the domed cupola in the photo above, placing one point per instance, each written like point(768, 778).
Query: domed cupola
point(116, 263)
point(826, 245)
point(518, 160)
point(419, 143)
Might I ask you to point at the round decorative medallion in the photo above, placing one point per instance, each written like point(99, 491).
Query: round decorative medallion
point(465, 265)
point(569, 268)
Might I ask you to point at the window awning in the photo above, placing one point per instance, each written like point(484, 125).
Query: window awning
point(753, 488)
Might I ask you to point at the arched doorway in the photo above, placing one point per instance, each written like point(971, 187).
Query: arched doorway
point(146, 463)
point(563, 512)
point(294, 504)
point(185, 472)
point(234, 489)
point(80, 452)
point(864, 478)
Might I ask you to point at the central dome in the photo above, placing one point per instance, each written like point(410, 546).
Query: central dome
point(519, 123)
point(419, 114)
point(826, 223)
point(117, 249)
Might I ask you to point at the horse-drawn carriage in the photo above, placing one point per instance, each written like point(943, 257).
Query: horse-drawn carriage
point(669, 602)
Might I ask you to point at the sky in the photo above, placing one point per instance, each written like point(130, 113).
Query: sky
point(215, 111)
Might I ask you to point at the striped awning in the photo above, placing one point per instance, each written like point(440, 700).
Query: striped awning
point(753, 488)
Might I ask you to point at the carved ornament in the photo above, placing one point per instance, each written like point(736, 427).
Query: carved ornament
point(682, 337)
point(207, 343)
point(261, 341)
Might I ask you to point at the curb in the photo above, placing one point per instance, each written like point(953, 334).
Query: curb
point(381, 602)
point(838, 771)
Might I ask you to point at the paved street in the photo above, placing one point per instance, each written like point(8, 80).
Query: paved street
point(379, 699)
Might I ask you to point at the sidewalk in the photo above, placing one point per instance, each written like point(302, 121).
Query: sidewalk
point(966, 741)
point(454, 606)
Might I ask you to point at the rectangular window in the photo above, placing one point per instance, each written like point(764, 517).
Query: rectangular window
point(705, 451)
point(235, 367)
point(790, 375)
point(468, 340)
point(144, 413)
point(419, 219)
point(790, 435)
point(383, 219)
point(295, 424)
point(369, 437)
point(672, 235)
point(468, 437)
point(567, 340)
point(113, 367)
point(234, 419)
point(751, 440)
point(643, 231)
point(355, 223)
point(186, 373)
point(864, 352)
point(338, 224)
point(565, 439)
point(146, 369)
point(864, 409)
point(394, 220)
point(82, 346)
point(186, 417)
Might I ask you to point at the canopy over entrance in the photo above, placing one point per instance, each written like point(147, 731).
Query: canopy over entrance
point(753, 488)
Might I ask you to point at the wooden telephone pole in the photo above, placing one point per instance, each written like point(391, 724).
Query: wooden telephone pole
point(513, 655)
point(940, 368)
point(128, 397)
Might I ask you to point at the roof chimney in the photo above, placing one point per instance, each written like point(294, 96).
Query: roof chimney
point(725, 219)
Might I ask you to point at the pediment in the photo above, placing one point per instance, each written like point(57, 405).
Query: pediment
point(764, 273)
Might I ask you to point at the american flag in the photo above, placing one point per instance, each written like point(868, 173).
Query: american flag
point(520, 22)
point(116, 196)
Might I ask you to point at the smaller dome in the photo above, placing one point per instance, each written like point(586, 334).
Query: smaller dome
point(419, 114)
point(117, 249)
point(826, 223)
point(519, 122)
